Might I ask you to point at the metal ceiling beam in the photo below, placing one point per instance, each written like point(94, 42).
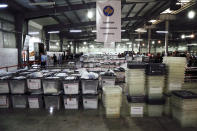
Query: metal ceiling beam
point(82, 24)
point(143, 7)
point(74, 7)
point(151, 13)
point(130, 10)
point(69, 20)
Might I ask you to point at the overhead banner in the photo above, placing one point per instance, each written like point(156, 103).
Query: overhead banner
point(108, 21)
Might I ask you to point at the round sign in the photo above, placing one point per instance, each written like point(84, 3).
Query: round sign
point(108, 10)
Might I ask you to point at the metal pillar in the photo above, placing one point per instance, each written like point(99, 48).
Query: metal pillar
point(61, 42)
point(166, 37)
point(19, 20)
point(149, 40)
point(74, 47)
point(47, 39)
point(139, 37)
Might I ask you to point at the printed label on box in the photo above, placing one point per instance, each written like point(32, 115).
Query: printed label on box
point(71, 88)
point(71, 103)
point(90, 103)
point(137, 111)
point(157, 90)
point(3, 100)
point(34, 84)
point(33, 103)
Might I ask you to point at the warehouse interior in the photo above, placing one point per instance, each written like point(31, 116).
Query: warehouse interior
point(59, 71)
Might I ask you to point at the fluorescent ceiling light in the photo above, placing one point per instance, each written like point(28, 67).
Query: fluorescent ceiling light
point(33, 33)
point(123, 30)
point(128, 43)
point(125, 39)
point(93, 31)
point(153, 42)
point(162, 32)
point(141, 30)
point(57, 43)
point(152, 21)
point(53, 32)
point(90, 14)
point(71, 43)
point(42, 3)
point(191, 14)
point(75, 31)
point(84, 43)
point(138, 39)
point(183, 36)
point(3, 5)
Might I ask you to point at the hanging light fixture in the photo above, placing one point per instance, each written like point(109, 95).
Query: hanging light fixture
point(3, 4)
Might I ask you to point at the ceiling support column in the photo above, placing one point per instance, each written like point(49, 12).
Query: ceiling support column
point(149, 40)
point(47, 40)
point(19, 21)
point(166, 37)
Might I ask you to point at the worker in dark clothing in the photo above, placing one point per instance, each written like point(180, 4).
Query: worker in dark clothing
point(54, 59)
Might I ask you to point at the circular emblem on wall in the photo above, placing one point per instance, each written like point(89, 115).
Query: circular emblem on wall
point(108, 11)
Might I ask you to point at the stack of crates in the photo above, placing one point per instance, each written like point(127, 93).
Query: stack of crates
point(155, 75)
point(71, 92)
point(135, 81)
point(90, 93)
point(35, 92)
point(108, 79)
point(184, 108)
point(4, 92)
point(112, 101)
point(18, 89)
point(120, 75)
point(52, 92)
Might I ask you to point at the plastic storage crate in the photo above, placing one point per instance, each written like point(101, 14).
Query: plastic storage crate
point(18, 85)
point(19, 101)
point(137, 109)
point(71, 101)
point(4, 101)
point(52, 101)
point(155, 69)
point(35, 101)
point(108, 80)
point(34, 85)
point(70, 86)
point(51, 85)
point(90, 101)
point(4, 85)
point(89, 86)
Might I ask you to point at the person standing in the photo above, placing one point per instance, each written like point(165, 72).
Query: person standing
point(43, 60)
point(54, 59)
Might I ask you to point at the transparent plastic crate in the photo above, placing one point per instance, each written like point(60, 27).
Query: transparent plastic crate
point(52, 101)
point(51, 85)
point(90, 101)
point(18, 85)
point(71, 102)
point(108, 80)
point(71, 86)
point(89, 86)
point(4, 86)
point(19, 101)
point(4, 101)
point(34, 85)
point(35, 101)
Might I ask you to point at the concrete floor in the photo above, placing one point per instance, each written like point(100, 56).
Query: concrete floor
point(82, 120)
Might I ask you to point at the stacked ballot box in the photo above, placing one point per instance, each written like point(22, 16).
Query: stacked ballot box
point(112, 101)
point(175, 73)
point(184, 108)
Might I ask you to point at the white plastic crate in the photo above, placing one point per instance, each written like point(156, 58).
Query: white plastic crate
point(19, 101)
point(89, 86)
point(4, 87)
point(18, 85)
point(4, 101)
point(51, 86)
point(71, 102)
point(90, 102)
point(108, 80)
point(34, 85)
point(71, 86)
point(52, 101)
point(35, 101)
